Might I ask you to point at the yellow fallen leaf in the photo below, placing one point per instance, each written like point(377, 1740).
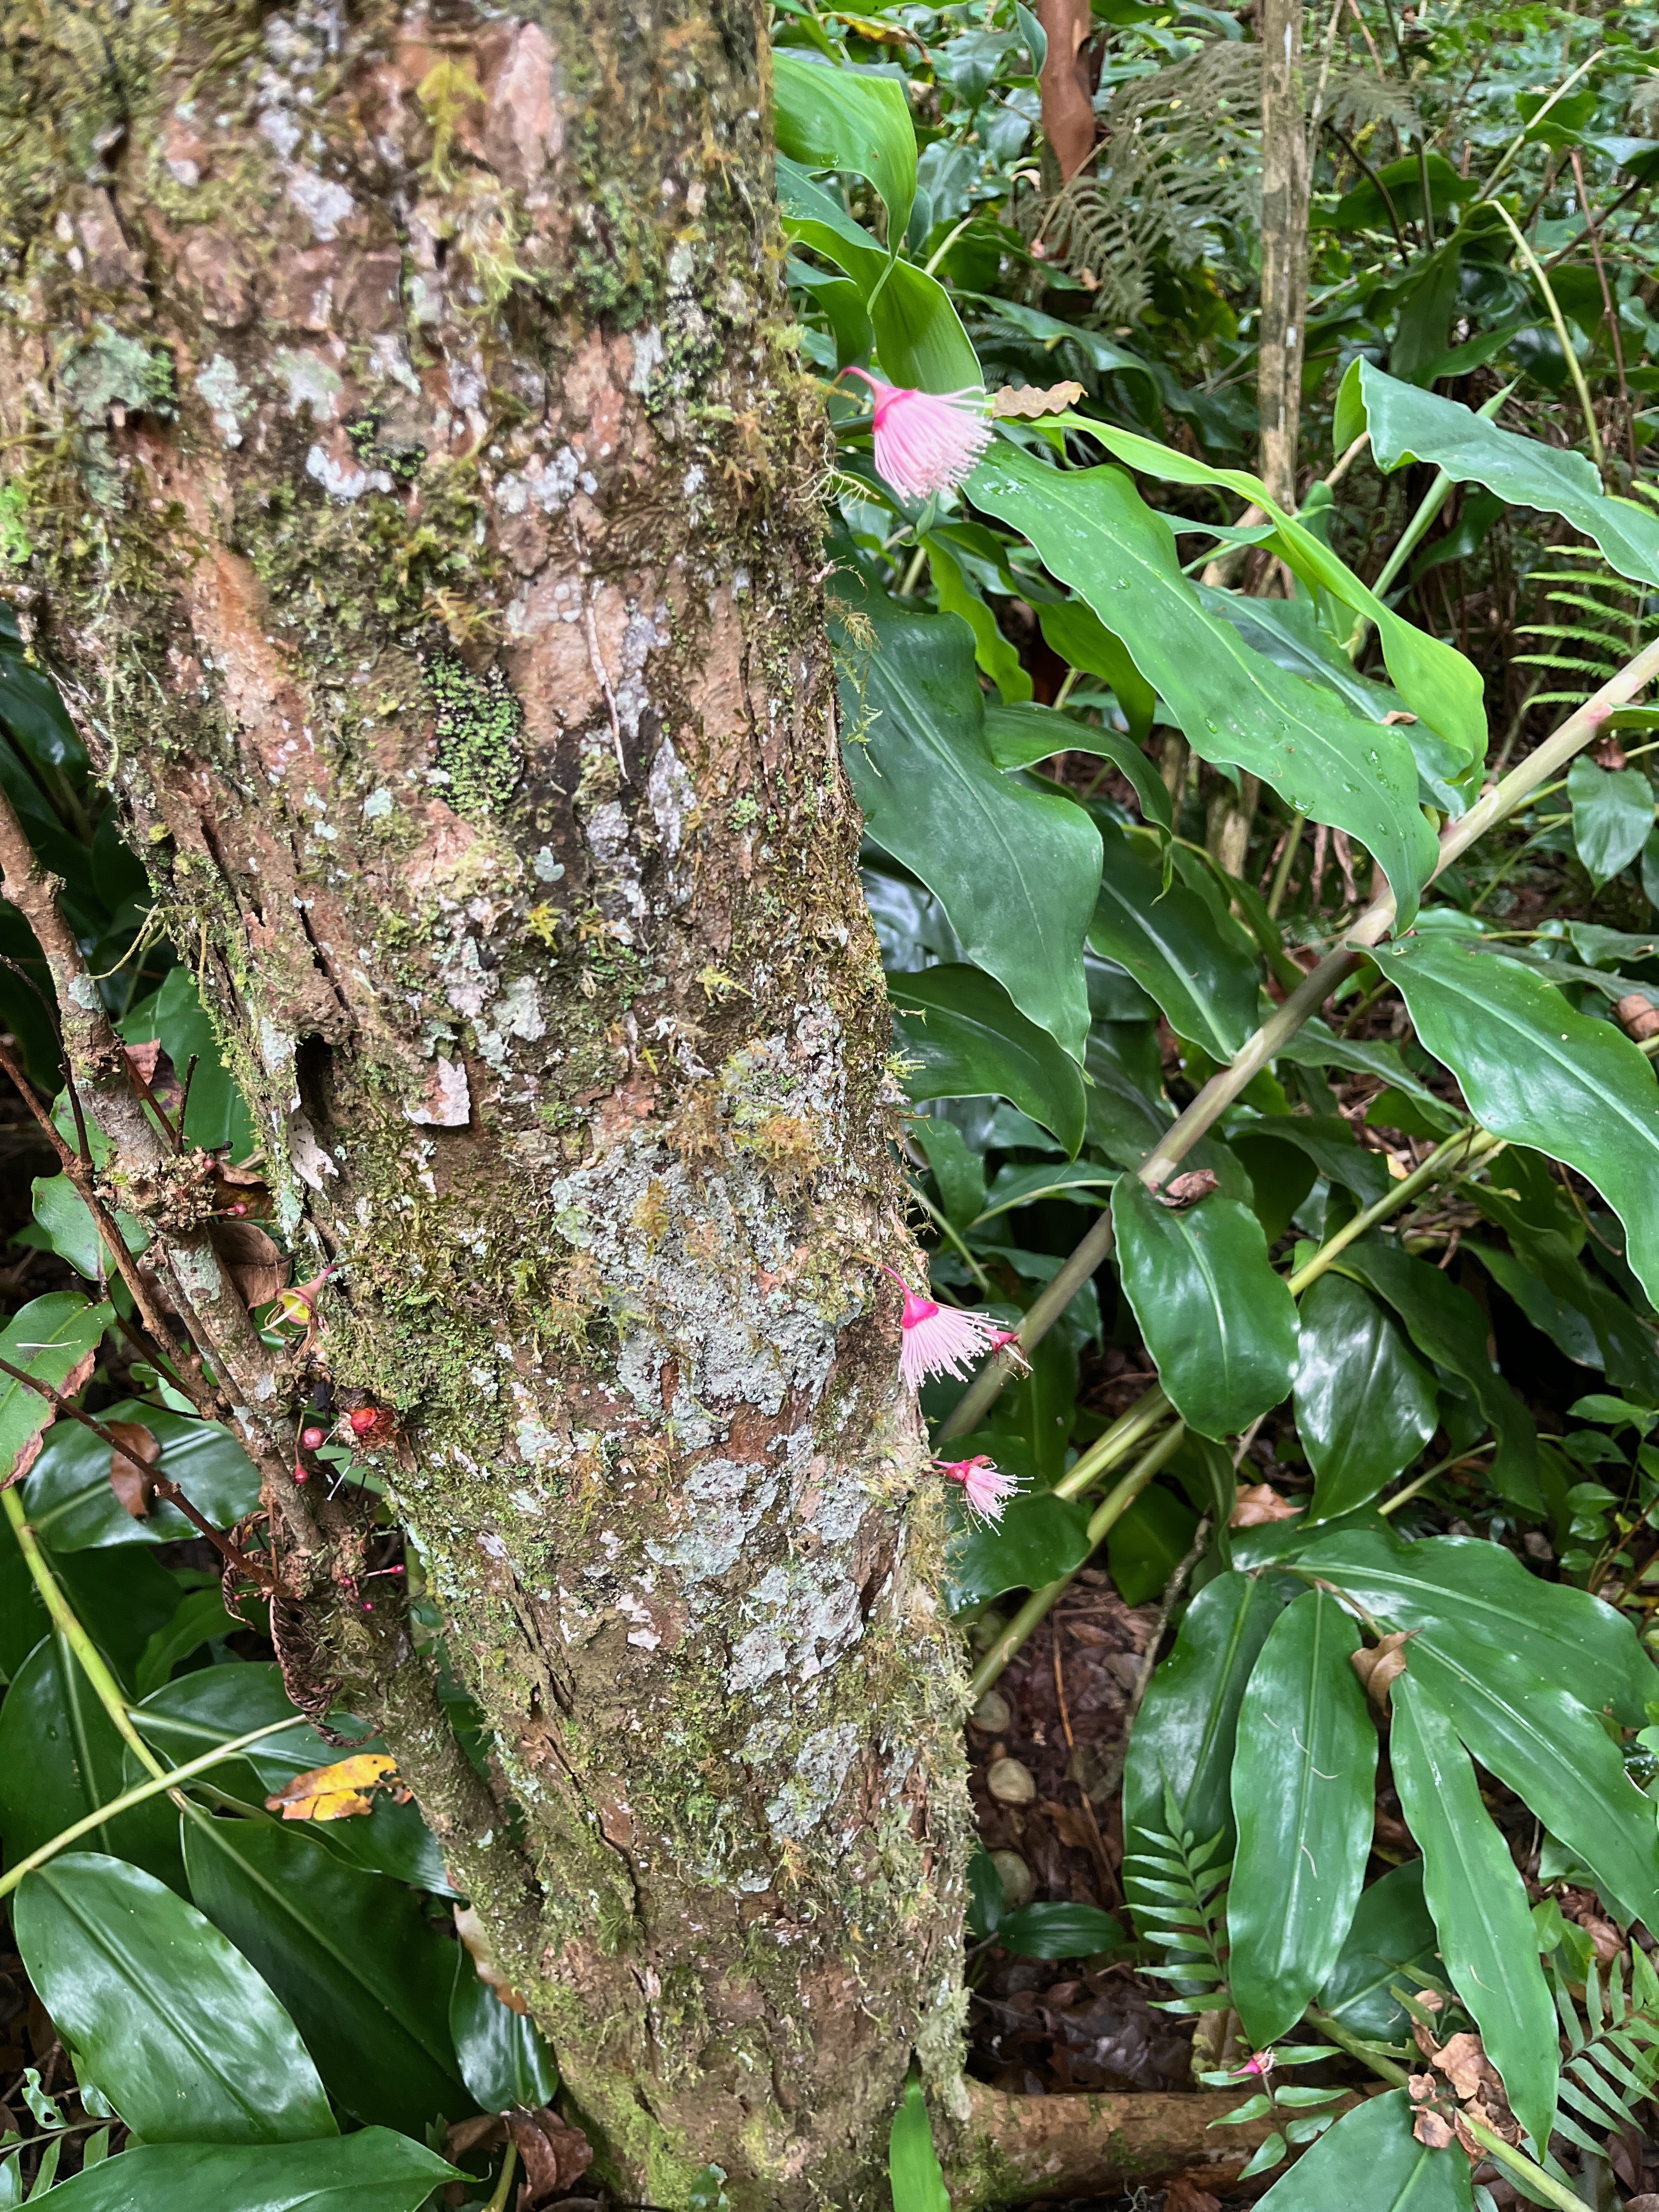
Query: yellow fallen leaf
point(337, 1792)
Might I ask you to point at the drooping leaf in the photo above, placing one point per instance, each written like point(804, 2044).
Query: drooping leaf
point(844, 119)
point(1371, 2161)
point(967, 1039)
point(1327, 1140)
point(1612, 816)
point(167, 2018)
point(1391, 1932)
point(1021, 734)
point(1015, 869)
point(1166, 940)
point(959, 1173)
point(1059, 1931)
point(502, 2057)
point(72, 1506)
point(1535, 1072)
point(1218, 1322)
point(1096, 534)
point(1148, 1543)
point(374, 2170)
point(1303, 1777)
point(1474, 1891)
point(912, 2162)
point(1079, 635)
point(992, 650)
point(1364, 1406)
point(67, 1220)
point(1039, 1538)
point(366, 1979)
point(49, 1338)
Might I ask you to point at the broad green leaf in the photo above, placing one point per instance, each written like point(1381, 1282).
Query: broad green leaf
point(1096, 533)
point(957, 596)
point(919, 333)
point(1148, 1543)
point(67, 1219)
point(503, 2059)
point(1449, 1328)
point(1478, 1901)
point(1433, 679)
point(1407, 425)
point(1021, 734)
point(1304, 1776)
point(167, 2018)
point(200, 1619)
point(912, 2162)
point(1326, 1139)
point(61, 1758)
point(1167, 941)
point(49, 1338)
point(1612, 816)
point(1078, 636)
point(841, 119)
point(1123, 1119)
point(218, 1113)
point(1371, 2161)
point(1016, 1187)
point(1039, 1538)
point(1540, 1074)
point(965, 1038)
point(1316, 1045)
point(1364, 1406)
point(365, 1978)
point(1015, 869)
point(1219, 1324)
point(959, 1171)
point(375, 2171)
point(1391, 1931)
point(31, 708)
point(72, 1507)
point(1059, 1931)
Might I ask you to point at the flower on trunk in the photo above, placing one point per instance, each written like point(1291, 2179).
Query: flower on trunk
point(937, 1340)
point(925, 441)
point(986, 1488)
point(1008, 1339)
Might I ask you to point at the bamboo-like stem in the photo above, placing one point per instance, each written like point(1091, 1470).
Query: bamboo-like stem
point(1456, 1156)
point(158, 1785)
point(1286, 860)
point(1422, 1481)
point(1037, 1608)
point(1131, 1427)
point(103, 1684)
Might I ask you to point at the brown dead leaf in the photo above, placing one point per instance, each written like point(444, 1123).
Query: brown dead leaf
point(470, 1930)
point(1184, 2195)
point(1429, 2128)
point(135, 1490)
point(483, 2129)
point(1637, 1015)
point(554, 2154)
point(1187, 1190)
point(1610, 754)
point(26, 1457)
point(143, 1059)
point(1399, 716)
point(1377, 1666)
point(254, 1262)
point(334, 1793)
point(1067, 1825)
point(1423, 2086)
point(1258, 1503)
point(1463, 2061)
point(1030, 399)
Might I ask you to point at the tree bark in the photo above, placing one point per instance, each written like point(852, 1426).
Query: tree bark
point(1068, 106)
point(1285, 183)
point(401, 407)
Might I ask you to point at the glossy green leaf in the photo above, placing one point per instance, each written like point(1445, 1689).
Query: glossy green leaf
point(1316, 1045)
point(31, 707)
point(1449, 1328)
point(1148, 1543)
point(1016, 869)
point(958, 596)
point(1612, 816)
point(1096, 534)
point(67, 1219)
point(1022, 734)
point(1289, 632)
point(218, 1113)
point(842, 119)
point(1474, 1891)
point(70, 1502)
point(965, 1038)
point(959, 1171)
point(1167, 941)
point(1059, 1931)
point(1433, 679)
point(1364, 1406)
point(1219, 1324)
point(1326, 1139)
point(919, 334)
point(1304, 1776)
point(1371, 2161)
point(1391, 1939)
point(200, 1619)
point(1039, 1538)
point(1124, 1119)
point(365, 1976)
point(167, 2018)
point(61, 1758)
point(912, 2162)
point(1406, 425)
point(49, 1338)
point(375, 2171)
point(503, 2058)
point(1540, 1074)
point(1080, 637)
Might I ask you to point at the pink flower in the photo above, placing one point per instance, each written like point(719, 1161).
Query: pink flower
point(1008, 1339)
point(925, 441)
point(937, 1340)
point(987, 1488)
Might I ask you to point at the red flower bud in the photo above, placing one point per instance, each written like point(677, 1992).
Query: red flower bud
point(311, 1438)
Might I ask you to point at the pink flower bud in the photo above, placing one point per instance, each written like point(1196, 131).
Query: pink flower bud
point(311, 1438)
point(925, 441)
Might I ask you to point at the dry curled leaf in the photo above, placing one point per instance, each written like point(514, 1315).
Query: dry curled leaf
point(1187, 1190)
point(1377, 1666)
point(470, 1930)
point(1257, 1503)
point(135, 1488)
point(337, 1792)
point(1463, 2061)
point(1032, 399)
point(142, 1059)
point(554, 2156)
point(1184, 2195)
point(1430, 2129)
point(254, 1262)
point(1637, 1016)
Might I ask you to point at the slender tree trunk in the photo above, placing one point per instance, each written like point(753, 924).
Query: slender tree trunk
point(422, 490)
point(1068, 106)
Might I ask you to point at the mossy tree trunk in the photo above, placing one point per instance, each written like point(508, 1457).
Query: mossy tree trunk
point(419, 486)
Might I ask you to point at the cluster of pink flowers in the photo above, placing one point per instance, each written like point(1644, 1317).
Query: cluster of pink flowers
point(936, 1339)
point(925, 441)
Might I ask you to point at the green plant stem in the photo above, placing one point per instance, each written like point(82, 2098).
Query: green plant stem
point(1516, 143)
point(951, 1232)
point(1440, 1466)
point(1286, 860)
point(1591, 427)
point(1115, 1443)
point(104, 1687)
point(510, 2166)
point(158, 1786)
point(1456, 1156)
point(1040, 1603)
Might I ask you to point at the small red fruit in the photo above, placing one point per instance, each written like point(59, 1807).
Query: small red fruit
point(372, 1425)
point(311, 1438)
